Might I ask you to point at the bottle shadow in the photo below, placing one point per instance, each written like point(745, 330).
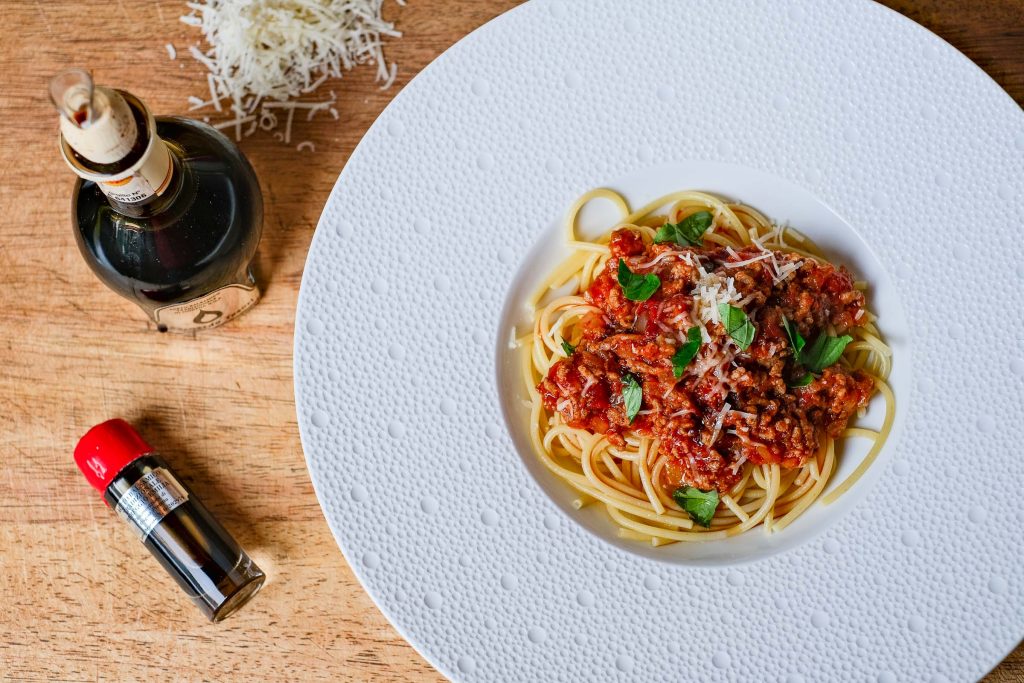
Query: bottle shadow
point(294, 188)
point(273, 248)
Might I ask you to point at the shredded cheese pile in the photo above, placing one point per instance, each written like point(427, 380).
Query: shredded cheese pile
point(711, 291)
point(265, 54)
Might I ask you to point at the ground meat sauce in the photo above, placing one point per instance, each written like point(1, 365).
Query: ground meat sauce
point(768, 421)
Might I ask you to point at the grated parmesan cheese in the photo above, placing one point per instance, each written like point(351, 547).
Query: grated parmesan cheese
point(171, 52)
point(718, 423)
point(780, 272)
point(658, 259)
point(263, 55)
point(737, 264)
point(711, 290)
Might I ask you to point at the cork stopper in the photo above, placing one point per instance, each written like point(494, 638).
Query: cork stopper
point(95, 121)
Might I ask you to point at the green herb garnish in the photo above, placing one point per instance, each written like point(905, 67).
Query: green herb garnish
point(637, 287)
point(686, 353)
point(568, 348)
point(738, 325)
point(825, 351)
point(796, 342)
point(632, 395)
point(688, 232)
point(700, 505)
point(803, 381)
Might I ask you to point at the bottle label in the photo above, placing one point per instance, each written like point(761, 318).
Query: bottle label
point(216, 308)
point(149, 500)
point(114, 133)
point(149, 177)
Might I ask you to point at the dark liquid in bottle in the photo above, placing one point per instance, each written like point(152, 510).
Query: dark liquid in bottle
point(200, 235)
point(194, 548)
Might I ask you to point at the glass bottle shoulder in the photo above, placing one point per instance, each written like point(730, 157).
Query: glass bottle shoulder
point(200, 235)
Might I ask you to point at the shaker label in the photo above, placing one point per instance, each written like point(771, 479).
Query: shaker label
point(149, 500)
point(216, 308)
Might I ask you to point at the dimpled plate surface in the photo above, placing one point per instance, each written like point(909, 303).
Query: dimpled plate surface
point(396, 329)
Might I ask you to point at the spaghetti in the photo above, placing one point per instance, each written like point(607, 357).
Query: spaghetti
point(692, 370)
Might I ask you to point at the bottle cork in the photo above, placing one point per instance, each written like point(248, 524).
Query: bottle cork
point(96, 122)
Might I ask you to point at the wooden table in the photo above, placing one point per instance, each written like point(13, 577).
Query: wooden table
point(80, 597)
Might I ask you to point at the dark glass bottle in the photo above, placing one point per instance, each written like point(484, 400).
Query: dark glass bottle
point(192, 546)
point(202, 557)
point(173, 224)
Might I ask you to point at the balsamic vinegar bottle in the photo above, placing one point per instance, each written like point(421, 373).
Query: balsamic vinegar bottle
point(167, 212)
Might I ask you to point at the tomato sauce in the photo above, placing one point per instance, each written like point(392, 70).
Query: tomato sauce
point(731, 405)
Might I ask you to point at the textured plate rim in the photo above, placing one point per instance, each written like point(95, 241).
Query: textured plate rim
point(299, 333)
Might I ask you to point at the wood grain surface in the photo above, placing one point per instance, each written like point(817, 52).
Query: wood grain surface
point(80, 598)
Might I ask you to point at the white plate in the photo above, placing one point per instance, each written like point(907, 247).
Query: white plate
point(858, 126)
point(786, 203)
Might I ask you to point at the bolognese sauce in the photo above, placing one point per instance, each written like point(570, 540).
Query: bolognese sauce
point(748, 394)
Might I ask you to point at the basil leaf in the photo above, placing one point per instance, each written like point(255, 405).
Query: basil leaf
point(700, 505)
point(637, 287)
point(825, 351)
point(568, 348)
point(686, 353)
point(632, 395)
point(803, 381)
point(688, 232)
point(737, 325)
point(795, 340)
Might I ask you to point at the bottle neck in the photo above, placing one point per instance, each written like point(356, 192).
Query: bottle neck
point(149, 178)
point(148, 204)
point(136, 181)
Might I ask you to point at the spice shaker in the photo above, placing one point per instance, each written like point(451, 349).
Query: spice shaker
point(165, 513)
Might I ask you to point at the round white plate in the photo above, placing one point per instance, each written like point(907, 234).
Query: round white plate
point(862, 129)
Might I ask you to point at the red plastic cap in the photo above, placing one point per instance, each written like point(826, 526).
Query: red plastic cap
point(106, 449)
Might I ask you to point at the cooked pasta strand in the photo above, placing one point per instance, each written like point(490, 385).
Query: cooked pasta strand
point(633, 481)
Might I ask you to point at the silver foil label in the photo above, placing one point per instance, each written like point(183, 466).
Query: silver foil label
point(149, 500)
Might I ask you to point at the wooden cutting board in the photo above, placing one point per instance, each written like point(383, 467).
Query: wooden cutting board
point(81, 599)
